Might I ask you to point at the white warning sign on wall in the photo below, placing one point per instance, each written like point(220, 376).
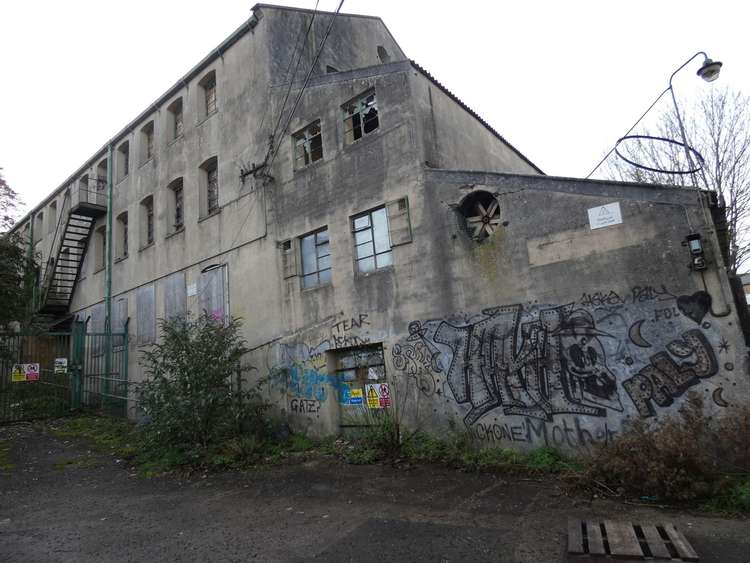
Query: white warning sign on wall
point(605, 215)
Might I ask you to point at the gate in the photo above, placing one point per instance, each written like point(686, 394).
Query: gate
point(53, 373)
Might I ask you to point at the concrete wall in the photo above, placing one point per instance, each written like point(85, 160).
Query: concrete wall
point(454, 138)
point(548, 333)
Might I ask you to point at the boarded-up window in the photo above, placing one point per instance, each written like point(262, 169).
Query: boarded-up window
point(175, 296)
point(146, 313)
point(120, 315)
point(96, 325)
point(399, 223)
point(213, 293)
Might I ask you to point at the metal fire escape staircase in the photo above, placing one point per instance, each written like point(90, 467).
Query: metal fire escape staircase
point(80, 209)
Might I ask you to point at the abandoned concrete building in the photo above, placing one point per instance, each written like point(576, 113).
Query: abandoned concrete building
point(387, 248)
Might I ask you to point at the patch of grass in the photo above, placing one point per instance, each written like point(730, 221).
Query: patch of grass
point(111, 435)
point(5, 464)
point(457, 450)
point(151, 457)
point(80, 462)
point(734, 499)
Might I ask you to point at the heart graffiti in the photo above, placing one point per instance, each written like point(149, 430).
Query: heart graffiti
point(695, 306)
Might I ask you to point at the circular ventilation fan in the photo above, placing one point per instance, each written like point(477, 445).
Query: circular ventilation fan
point(482, 214)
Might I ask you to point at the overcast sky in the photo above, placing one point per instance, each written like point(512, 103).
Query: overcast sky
point(559, 80)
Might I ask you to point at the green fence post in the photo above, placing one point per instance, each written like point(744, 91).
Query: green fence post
point(77, 361)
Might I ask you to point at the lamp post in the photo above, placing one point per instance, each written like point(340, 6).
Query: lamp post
point(709, 71)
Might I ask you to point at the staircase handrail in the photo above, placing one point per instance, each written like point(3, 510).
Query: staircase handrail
point(49, 268)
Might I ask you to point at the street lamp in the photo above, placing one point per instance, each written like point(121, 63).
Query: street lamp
point(709, 71)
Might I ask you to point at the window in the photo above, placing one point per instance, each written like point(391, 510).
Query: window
point(175, 118)
point(52, 222)
point(122, 235)
point(288, 261)
point(120, 315)
point(316, 258)
point(372, 241)
point(147, 142)
point(175, 296)
point(177, 205)
point(210, 187)
point(383, 55)
point(360, 117)
point(101, 175)
point(147, 221)
point(208, 87)
point(101, 248)
point(308, 145)
point(358, 367)
point(123, 160)
point(213, 292)
point(39, 227)
point(145, 314)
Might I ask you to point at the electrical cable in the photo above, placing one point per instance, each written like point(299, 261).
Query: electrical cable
point(307, 80)
point(291, 81)
point(271, 152)
point(606, 156)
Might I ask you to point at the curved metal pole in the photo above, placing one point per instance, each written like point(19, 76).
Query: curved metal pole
point(679, 118)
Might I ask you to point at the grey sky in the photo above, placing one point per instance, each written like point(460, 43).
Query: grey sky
point(560, 80)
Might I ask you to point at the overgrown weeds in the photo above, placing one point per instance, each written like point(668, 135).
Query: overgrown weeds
point(5, 464)
point(126, 440)
point(381, 439)
point(686, 458)
point(195, 396)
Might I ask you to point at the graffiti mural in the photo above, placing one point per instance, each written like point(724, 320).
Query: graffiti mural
point(301, 371)
point(542, 361)
point(664, 379)
point(538, 367)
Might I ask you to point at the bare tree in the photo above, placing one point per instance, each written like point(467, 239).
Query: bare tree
point(718, 127)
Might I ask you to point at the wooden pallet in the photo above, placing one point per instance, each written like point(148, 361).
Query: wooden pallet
point(607, 541)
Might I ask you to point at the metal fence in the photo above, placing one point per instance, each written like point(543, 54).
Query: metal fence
point(50, 374)
point(104, 380)
point(30, 386)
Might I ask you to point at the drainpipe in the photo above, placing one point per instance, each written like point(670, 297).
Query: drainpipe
point(28, 274)
point(108, 275)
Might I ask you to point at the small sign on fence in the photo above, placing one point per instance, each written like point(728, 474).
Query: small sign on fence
point(61, 366)
point(24, 372)
point(356, 397)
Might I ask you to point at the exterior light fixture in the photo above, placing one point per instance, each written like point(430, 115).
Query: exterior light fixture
point(697, 256)
point(710, 70)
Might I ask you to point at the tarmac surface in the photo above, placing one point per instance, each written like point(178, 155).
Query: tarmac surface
point(63, 502)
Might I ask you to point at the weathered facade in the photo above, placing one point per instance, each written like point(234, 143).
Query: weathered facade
point(392, 237)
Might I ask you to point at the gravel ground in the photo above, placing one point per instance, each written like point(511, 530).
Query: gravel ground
point(62, 502)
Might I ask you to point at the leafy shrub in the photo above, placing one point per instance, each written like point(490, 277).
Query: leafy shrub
point(194, 396)
point(683, 458)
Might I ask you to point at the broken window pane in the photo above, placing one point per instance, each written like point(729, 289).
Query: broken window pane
point(360, 117)
point(308, 145)
point(212, 298)
point(212, 188)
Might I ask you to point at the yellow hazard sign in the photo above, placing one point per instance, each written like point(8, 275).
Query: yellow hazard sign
point(373, 399)
point(18, 373)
